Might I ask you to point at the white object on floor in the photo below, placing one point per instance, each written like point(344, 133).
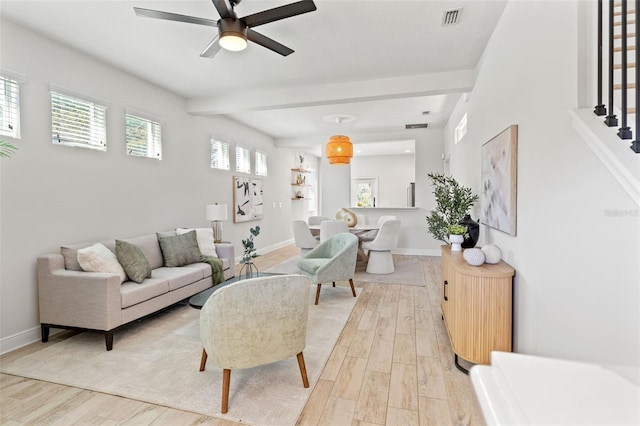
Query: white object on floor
point(379, 250)
point(519, 389)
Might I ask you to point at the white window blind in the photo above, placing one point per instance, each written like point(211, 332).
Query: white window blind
point(78, 122)
point(261, 163)
point(219, 155)
point(243, 160)
point(9, 107)
point(143, 137)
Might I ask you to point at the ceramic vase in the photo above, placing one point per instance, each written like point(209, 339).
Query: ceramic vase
point(456, 242)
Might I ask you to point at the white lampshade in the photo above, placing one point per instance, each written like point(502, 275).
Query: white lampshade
point(217, 212)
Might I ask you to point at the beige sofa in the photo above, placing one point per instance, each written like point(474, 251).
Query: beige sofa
point(71, 298)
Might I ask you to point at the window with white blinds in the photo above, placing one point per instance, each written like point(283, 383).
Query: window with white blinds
point(219, 155)
point(78, 122)
point(143, 137)
point(261, 163)
point(9, 107)
point(243, 160)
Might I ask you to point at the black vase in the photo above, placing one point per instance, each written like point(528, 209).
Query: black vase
point(473, 229)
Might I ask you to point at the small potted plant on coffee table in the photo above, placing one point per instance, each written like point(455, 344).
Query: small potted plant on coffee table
point(248, 268)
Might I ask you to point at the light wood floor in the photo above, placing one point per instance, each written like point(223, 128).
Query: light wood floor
point(392, 365)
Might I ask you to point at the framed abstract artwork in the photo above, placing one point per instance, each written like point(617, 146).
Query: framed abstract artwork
point(247, 199)
point(499, 181)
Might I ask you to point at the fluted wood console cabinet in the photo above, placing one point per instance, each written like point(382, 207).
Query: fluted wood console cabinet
point(476, 306)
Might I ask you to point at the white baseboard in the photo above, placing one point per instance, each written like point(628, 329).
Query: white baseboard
point(18, 340)
point(270, 248)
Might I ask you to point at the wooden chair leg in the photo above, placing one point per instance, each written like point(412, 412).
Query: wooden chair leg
point(353, 289)
point(226, 377)
point(318, 293)
point(303, 370)
point(203, 360)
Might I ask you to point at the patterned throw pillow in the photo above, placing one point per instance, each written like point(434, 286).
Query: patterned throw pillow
point(98, 258)
point(133, 261)
point(180, 250)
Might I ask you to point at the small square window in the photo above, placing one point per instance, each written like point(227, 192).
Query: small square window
point(9, 107)
point(243, 160)
point(78, 122)
point(219, 155)
point(143, 137)
point(261, 163)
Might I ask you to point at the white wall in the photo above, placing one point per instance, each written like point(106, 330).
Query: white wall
point(577, 275)
point(53, 195)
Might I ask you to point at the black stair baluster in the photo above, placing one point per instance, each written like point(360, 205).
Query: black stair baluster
point(600, 109)
point(611, 120)
point(624, 132)
point(635, 145)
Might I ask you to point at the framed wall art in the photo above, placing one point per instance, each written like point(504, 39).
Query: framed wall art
point(499, 181)
point(247, 199)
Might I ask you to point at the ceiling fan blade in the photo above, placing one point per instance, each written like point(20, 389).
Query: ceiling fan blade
point(212, 48)
point(148, 13)
point(277, 13)
point(224, 8)
point(267, 42)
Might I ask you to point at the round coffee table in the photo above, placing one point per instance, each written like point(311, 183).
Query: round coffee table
point(198, 300)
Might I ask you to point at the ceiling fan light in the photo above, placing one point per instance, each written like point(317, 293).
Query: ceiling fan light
point(233, 42)
point(339, 149)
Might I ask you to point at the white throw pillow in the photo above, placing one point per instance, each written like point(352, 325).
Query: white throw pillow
point(204, 236)
point(98, 258)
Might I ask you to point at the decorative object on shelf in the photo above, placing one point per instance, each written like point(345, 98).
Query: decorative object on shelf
point(299, 194)
point(492, 253)
point(456, 236)
point(453, 202)
point(216, 213)
point(346, 215)
point(301, 161)
point(248, 268)
point(473, 256)
point(473, 232)
point(499, 181)
point(247, 199)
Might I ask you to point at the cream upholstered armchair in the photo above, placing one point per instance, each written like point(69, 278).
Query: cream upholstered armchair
point(255, 322)
point(333, 260)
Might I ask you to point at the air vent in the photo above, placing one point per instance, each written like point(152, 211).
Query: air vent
point(417, 126)
point(451, 17)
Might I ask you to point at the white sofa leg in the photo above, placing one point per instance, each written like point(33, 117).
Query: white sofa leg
point(380, 262)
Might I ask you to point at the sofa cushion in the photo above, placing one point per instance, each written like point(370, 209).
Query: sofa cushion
point(183, 276)
point(180, 250)
point(133, 261)
point(132, 293)
point(149, 246)
point(205, 240)
point(98, 258)
point(70, 253)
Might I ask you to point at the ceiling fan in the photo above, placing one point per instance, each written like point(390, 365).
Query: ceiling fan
point(233, 32)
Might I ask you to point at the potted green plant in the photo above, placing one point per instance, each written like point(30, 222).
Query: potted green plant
point(456, 236)
point(453, 202)
point(7, 149)
point(248, 268)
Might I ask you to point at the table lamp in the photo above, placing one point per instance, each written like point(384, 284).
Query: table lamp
point(217, 213)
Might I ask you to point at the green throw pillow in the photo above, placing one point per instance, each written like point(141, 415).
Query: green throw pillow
point(180, 250)
point(133, 261)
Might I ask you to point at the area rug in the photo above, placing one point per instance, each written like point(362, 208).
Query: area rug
point(156, 360)
point(409, 270)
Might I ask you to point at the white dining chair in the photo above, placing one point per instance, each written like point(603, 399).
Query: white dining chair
point(379, 250)
point(383, 219)
point(303, 237)
point(328, 228)
point(316, 220)
point(371, 235)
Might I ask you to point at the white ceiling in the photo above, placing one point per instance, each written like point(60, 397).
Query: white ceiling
point(383, 61)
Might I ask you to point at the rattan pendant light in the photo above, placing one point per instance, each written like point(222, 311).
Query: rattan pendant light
point(339, 149)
